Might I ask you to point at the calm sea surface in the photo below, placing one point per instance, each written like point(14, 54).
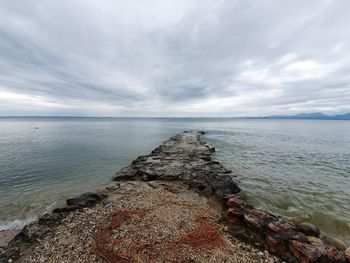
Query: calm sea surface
point(299, 169)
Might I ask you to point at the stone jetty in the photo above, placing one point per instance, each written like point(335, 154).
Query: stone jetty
point(174, 205)
point(185, 158)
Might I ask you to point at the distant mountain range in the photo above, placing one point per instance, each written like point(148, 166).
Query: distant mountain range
point(312, 116)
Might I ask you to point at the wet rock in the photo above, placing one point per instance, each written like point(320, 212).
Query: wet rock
point(265, 218)
point(306, 253)
point(334, 255)
point(314, 240)
point(126, 173)
point(285, 231)
point(308, 229)
point(236, 202)
point(262, 214)
point(86, 200)
point(247, 234)
point(252, 221)
point(234, 213)
point(276, 246)
point(9, 254)
point(335, 242)
point(277, 226)
point(50, 219)
point(347, 254)
point(29, 234)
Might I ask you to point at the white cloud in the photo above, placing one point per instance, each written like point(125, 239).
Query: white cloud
point(173, 58)
point(286, 59)
point(308, 69)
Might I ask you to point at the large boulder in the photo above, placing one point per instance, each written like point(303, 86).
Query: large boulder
point(308, 229)
point(306, 253)
point(86, 200)
point(335, 242)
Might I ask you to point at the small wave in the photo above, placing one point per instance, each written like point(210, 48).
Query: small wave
point(50, 207)
point(20, 223)
point(16, 224)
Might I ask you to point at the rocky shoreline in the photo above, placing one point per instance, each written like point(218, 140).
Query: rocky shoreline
point(7, 235)
point(173, 205)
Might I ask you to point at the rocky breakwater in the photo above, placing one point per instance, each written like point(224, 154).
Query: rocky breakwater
point(185, 158)
point(291, 242)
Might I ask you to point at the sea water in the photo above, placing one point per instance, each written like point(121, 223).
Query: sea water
point(299, 169)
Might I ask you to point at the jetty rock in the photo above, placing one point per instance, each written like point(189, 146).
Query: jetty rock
point(184, 157)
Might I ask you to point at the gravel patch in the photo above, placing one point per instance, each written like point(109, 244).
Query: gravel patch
point(145, 222)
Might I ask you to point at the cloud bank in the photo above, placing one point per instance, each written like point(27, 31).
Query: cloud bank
point(174, 58)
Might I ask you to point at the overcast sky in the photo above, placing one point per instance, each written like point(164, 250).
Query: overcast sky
point(174, 58)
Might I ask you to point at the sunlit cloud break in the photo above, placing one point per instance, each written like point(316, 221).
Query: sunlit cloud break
point(174, 58)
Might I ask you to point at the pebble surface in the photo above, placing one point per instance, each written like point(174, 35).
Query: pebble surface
point(172, 210)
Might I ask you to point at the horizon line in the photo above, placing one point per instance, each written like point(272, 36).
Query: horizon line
point(298, 115)
point(77, 116)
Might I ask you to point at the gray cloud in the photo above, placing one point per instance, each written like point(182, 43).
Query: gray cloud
point(174, 58)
